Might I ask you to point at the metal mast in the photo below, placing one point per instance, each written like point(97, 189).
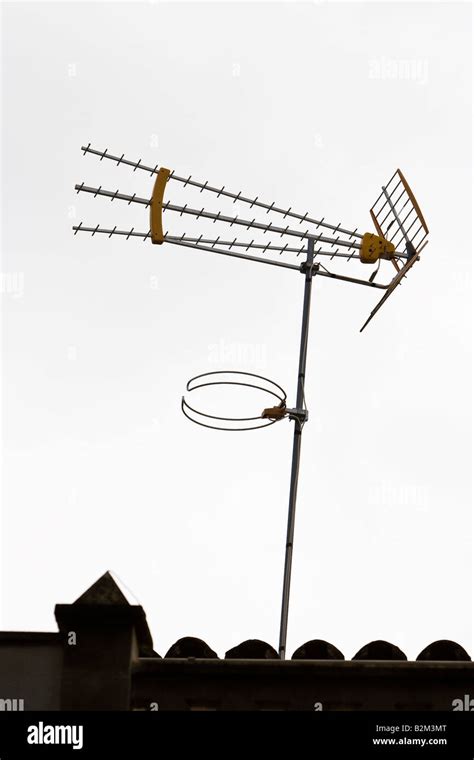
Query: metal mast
point(299, 415)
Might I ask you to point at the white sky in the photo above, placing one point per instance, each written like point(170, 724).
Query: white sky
point(307, 104)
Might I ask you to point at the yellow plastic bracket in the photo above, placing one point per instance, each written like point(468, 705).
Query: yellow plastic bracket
point(156, 206)
point(373, 247)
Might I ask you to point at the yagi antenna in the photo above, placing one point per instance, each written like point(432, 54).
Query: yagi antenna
point(283, 236)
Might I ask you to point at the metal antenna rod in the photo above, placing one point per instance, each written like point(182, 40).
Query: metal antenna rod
point(214, 242)
point(222, 191)
point(182, 241)
point(249, 224)
point(300, 416)
point(392, 207)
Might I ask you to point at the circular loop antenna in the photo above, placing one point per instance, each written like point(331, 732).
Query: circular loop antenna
point(210, 379)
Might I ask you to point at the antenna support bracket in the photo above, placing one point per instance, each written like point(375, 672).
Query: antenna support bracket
point(305, 267)
point(275, 412)
point(301, 415)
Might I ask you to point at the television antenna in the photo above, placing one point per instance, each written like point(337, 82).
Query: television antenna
point(400, 236)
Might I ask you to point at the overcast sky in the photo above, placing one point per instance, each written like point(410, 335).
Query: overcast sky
point(312, 105)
